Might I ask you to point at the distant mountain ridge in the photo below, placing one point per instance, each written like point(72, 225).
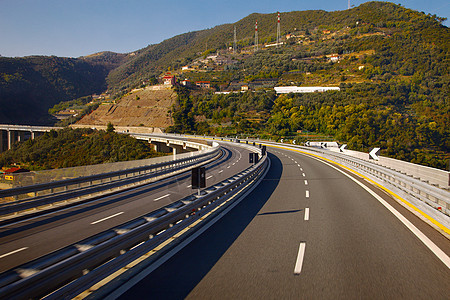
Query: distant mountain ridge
point(29, 86)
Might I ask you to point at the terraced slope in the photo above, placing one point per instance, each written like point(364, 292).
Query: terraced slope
point(143, 107)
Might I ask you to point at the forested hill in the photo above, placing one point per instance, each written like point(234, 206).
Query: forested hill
point(391, 63)
point(373, 17)
point(29, 86)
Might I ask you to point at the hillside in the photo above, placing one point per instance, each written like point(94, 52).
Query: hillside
point(371, 21)
point(392, 65)
point(29, 86)
point(142, 107)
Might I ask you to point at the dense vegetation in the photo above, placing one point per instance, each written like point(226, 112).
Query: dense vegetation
point(397, 100)
point(75, 147)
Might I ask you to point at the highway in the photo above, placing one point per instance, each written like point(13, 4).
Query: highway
point(29, 239)
point(308, 231)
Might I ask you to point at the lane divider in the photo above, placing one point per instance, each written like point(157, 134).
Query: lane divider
point(162, 197)
point(300, 256)
point(13, 252)
point(422, 237)
point(104, 219)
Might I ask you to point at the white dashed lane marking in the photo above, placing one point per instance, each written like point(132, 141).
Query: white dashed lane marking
point(104, 219)
point(12, 252)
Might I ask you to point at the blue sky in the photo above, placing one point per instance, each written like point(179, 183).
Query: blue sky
point(73, 28)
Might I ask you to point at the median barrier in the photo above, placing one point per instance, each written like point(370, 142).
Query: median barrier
point(107, 178)
point(71, 270)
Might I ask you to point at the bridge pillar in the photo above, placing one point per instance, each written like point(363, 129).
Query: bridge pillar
point(21, 136)
point(10, 138)
point(161, 147)
point(33, 135)
point(2, 141)
point(177, 149)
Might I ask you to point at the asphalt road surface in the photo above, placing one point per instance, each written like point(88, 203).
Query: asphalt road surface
point(23, 241)
point(306, 232)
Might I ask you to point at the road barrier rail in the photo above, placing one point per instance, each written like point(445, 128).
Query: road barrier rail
point(73, 269)
point(412, 188)
point(28, 197)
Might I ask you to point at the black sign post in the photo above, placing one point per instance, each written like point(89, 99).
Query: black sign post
point(198, 178)
point(253, 158)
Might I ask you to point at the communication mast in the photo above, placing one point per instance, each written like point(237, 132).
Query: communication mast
point(278, 31)
point(256, 36)
point(234, 44)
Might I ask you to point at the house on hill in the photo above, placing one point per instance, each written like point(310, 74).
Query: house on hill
point(169, 80)
point(203, 84)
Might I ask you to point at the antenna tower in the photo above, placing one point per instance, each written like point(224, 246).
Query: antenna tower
point(234, 44)
point(256, 36)
point(278, 31)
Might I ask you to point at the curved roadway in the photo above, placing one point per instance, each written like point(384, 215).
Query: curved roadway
point(29, 239)
point(307, 232)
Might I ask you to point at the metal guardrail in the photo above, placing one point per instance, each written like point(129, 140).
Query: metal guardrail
point(71, 270)
point(63, 190)
point(432, 195)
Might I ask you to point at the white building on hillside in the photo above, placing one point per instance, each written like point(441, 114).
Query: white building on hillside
point(304, 89)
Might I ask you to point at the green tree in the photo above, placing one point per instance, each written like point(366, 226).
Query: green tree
point(110, 127)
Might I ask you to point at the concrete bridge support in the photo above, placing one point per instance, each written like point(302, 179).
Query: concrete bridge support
point(177, 149)
point(3, 141)
point(21, 136)
point(11, 138)
point(161, 147)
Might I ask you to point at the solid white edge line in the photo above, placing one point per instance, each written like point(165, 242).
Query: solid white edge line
point(300, 256)
point(162, 197)
point(104, 219)
point(307, 214)
point(422, 237)
point(12, 252)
